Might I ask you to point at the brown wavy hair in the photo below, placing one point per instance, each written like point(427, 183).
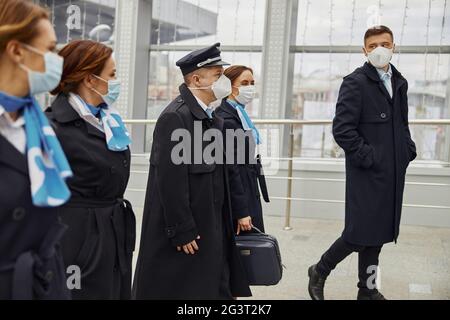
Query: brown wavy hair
point(234, 72)
point(18, 21)
point(81, 58)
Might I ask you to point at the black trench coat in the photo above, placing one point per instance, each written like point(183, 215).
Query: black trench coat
point(373, 130)
point(184, 201)
point(248, 173)
point(101, 235)
point(31, 264)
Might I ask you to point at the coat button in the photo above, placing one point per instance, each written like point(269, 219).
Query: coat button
point(18, 214)
point(49, 276)
point(113, 170)
point(383, 115)
point(125, 163)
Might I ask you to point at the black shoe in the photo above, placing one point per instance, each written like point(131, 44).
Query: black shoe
point(316, 283)
point(366, 294)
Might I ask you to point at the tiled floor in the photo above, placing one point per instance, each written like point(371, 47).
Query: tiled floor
point(417, 267)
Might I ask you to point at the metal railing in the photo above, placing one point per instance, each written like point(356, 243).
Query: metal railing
point(290, 160)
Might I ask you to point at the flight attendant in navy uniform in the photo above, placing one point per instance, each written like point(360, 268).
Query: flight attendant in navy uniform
point(101, 234)
point(249, 173)
point(33, 167)
point(187, 246)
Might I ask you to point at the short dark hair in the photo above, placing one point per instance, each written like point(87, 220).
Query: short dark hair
point(376, 30)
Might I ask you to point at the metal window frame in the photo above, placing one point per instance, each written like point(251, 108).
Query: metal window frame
point(137, 105)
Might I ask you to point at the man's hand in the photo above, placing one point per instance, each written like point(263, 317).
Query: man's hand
point(190, 248)
point(244, 224)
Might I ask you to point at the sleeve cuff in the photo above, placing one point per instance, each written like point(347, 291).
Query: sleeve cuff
point(182, 233)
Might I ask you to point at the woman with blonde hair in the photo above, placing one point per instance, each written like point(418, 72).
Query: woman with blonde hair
point(33, 167)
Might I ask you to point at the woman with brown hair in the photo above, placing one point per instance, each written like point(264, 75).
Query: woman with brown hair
point(33, 167)
point(101, 235)
point(232, 110)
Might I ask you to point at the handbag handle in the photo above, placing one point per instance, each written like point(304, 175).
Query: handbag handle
point(259, 231)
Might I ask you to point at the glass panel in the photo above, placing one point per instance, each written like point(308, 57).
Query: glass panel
point(317, 79)
point(344, 22)
point(82, 19)
point(204, 22)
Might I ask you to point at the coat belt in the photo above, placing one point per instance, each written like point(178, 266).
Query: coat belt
point(123, 215)
point(29, 274)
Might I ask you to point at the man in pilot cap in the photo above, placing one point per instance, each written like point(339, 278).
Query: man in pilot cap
point(187, 246)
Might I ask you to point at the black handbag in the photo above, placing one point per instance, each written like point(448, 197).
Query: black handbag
point(260, 255)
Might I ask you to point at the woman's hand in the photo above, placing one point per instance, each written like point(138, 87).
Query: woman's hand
point(244, 224)
point(189, 248)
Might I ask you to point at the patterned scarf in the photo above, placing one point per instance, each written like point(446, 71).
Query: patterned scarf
point(47, 164)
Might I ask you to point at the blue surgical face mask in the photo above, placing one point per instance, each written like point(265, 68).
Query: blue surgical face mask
point(41, 82)
point(113, 91)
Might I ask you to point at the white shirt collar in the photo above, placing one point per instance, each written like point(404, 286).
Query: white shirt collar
point(20, 122)
point(201, 103)
point(381, 72)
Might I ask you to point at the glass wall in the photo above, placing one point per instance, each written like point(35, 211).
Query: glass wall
point(325, 36)
point(179, 26)
point(318, 76)
point(82, 19)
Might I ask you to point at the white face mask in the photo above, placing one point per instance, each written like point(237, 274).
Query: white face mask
point(221, 89)
point(246, 94)
point(380, 56)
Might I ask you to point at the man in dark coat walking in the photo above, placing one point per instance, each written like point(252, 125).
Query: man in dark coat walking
point(371, 125)
point(187, 246)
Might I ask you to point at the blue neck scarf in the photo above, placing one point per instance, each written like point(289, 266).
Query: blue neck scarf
point(247, 123)
point(117, 136)
point(47, 165)
point(95, 110)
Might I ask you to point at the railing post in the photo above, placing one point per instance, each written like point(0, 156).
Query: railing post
point(287, 224)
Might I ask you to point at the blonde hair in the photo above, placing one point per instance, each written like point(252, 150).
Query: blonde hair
point(18, 21)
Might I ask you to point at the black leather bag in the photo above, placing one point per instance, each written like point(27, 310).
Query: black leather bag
point(261, 257)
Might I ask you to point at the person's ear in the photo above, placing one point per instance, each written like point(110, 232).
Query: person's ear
point(88, 82)
point(15, 51)
point(195, 79)
point(393, 48)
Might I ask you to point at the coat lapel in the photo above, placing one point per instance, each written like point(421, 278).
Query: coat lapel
point(64, 113)
point(227, 108)
point(11, 157)
point(372, 74)
point(93, 131)
point(192, 103)
point(398, 80)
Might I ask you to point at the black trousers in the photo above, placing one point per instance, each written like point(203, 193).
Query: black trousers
point(340, 249)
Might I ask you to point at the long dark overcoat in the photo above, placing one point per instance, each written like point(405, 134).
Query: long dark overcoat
point(249, 173)
point(102, 228)
point(183, 201)
point(372, 128)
